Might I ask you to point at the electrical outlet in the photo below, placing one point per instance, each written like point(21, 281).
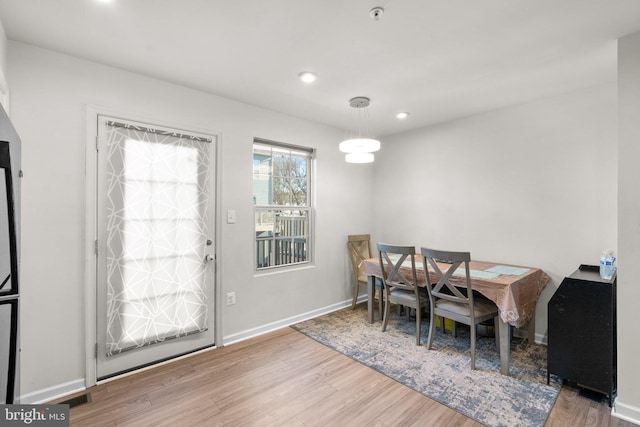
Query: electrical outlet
point(231, 298)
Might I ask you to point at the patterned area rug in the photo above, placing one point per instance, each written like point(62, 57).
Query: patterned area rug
point(521, 399)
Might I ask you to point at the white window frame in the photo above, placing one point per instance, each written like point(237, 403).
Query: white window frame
point(300, 233)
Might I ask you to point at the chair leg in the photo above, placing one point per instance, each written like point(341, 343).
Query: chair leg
point(432, 328)
point(380, 302)
point(418, 322)
point(356, 290)
point(473, 346)
point(454, 328)
point(387, 306)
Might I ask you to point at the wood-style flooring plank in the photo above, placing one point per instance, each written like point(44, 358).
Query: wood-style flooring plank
point(572, 409)
point(183, 413)
point(285, 379)
point(415, 410)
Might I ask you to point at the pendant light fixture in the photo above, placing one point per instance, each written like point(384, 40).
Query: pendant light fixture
point(359, 143)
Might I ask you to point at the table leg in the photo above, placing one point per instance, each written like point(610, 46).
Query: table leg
point(531, 330)
point(370, 292)
point(505, 347)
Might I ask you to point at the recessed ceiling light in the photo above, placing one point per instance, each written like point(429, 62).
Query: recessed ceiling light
point(308, 76)
point(402, 115)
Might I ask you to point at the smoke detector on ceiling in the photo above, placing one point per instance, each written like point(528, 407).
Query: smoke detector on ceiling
point(376, 13)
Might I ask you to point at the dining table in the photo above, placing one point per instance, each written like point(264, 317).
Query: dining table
point(514, 289)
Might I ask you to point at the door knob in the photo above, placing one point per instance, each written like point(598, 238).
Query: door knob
point(209, 257)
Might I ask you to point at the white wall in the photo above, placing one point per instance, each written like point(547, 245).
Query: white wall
point(531, 185)
point(3, 49)
point(628, 402)
point(4, 88)
point(50, 94)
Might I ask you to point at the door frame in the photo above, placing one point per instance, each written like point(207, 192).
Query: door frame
point(90, 264)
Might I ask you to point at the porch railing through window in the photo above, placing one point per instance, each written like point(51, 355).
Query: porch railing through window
point(288, 244)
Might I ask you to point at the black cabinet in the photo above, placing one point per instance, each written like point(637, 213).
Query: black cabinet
point(582, 331)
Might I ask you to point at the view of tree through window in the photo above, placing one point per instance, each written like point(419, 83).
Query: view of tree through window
point(289, 180)
point(282, 206)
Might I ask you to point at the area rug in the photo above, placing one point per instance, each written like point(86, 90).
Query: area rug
point(443, 373)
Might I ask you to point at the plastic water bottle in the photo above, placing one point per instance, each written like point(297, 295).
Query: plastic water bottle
point(607, 264)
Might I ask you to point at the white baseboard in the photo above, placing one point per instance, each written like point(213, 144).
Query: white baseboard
point(626, 412)
point(541, 339)
point(269, 327)
point(52, 393)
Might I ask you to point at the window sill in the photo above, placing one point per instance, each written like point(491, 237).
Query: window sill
point(283, 270)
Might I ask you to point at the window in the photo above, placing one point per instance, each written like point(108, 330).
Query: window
point(282, 203)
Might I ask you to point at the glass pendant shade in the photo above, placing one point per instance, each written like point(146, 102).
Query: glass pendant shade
point(361, 157)
point(360, 145)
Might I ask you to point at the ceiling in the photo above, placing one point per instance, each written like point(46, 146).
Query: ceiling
point(439, 60)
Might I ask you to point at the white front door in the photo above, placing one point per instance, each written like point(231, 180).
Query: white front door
point(155, 229)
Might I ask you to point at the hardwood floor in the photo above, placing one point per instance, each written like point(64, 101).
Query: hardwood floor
point(285, 379)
